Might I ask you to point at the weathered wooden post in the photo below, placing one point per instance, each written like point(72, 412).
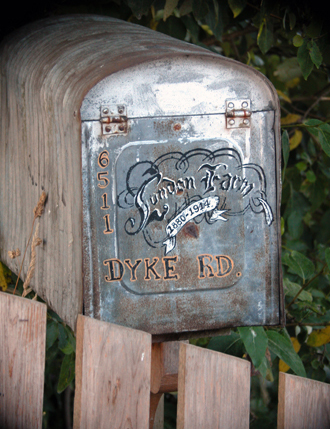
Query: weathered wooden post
point(161, 164)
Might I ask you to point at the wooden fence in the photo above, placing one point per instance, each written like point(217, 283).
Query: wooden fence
point(121, 376)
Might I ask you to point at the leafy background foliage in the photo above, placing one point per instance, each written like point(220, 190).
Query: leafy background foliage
point(289, 43)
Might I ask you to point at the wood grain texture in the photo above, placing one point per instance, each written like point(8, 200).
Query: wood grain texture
point(214, 390)
point(46, 70)
point(302, 403)
point(22, 362)
point(112, 376)
point(165, 366)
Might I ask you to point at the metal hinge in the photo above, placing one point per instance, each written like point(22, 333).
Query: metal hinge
point(114, 119)
point(238, 113)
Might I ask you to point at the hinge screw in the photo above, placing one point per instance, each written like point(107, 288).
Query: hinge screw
point(120, 109)
point(105, 110)
point(121, 128)
point(246, 122)
point(231, 122)
point(108, 129)
point(244, 104)
point(230, 105)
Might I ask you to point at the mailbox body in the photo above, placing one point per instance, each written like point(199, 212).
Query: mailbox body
point(178, 188)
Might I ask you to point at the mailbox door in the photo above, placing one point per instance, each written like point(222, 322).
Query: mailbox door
point(181, 221)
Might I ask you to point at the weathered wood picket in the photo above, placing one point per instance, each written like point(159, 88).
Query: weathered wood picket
point(120, 377)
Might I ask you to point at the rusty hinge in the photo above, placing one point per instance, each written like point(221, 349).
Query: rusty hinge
point(114, 119)
point(238, 113)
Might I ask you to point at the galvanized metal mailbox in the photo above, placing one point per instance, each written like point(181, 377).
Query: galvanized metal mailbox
point(176, 176)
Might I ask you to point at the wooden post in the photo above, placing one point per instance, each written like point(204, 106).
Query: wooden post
point(22, 362)
point(112, 376)
point(302, 403)
point(214, 390)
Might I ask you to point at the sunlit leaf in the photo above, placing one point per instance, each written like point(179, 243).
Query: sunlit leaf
point(283, 96)
point(295, 140)
point(282, 226)
point(319, 337)
point(3, 282)
point(255, 341)
point(292, 118)
point(282, 366)
point(281, 345)
point(297, 40)
point(67, 372)
point(237, 6)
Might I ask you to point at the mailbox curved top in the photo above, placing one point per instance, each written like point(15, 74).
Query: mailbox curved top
point(48, 68)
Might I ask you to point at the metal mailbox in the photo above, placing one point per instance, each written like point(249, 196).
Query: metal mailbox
point(180, 182)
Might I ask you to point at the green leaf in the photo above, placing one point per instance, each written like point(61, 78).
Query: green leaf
point(170, 5)
point(327, 256)
point(297, 41)
point(313, 122)
point(291, 289)
point(311, 176)
point(281, 345)
point(304, 59)
point(315, 54)
point(67, 342)
point(295, 224)
point(265, 36)
point(265, 369)
point(214, 19)
point(200, 9)
point(255, 341)
point(51, 333)
point(324, 138)
point(299, 264)
point(229, 344)
point(67, 372)
point(237, 6)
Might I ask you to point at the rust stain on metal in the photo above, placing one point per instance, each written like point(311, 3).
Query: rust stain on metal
point(177, 127)
point(191, 230)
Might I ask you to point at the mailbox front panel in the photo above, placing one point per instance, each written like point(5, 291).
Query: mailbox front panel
point(180, 210)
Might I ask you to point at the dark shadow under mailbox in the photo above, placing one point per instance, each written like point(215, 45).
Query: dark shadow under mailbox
point(180, 187)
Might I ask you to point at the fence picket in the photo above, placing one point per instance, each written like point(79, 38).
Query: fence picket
point(112, 376)
point(302, 403)
point(213, 390)
point(22, 362)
